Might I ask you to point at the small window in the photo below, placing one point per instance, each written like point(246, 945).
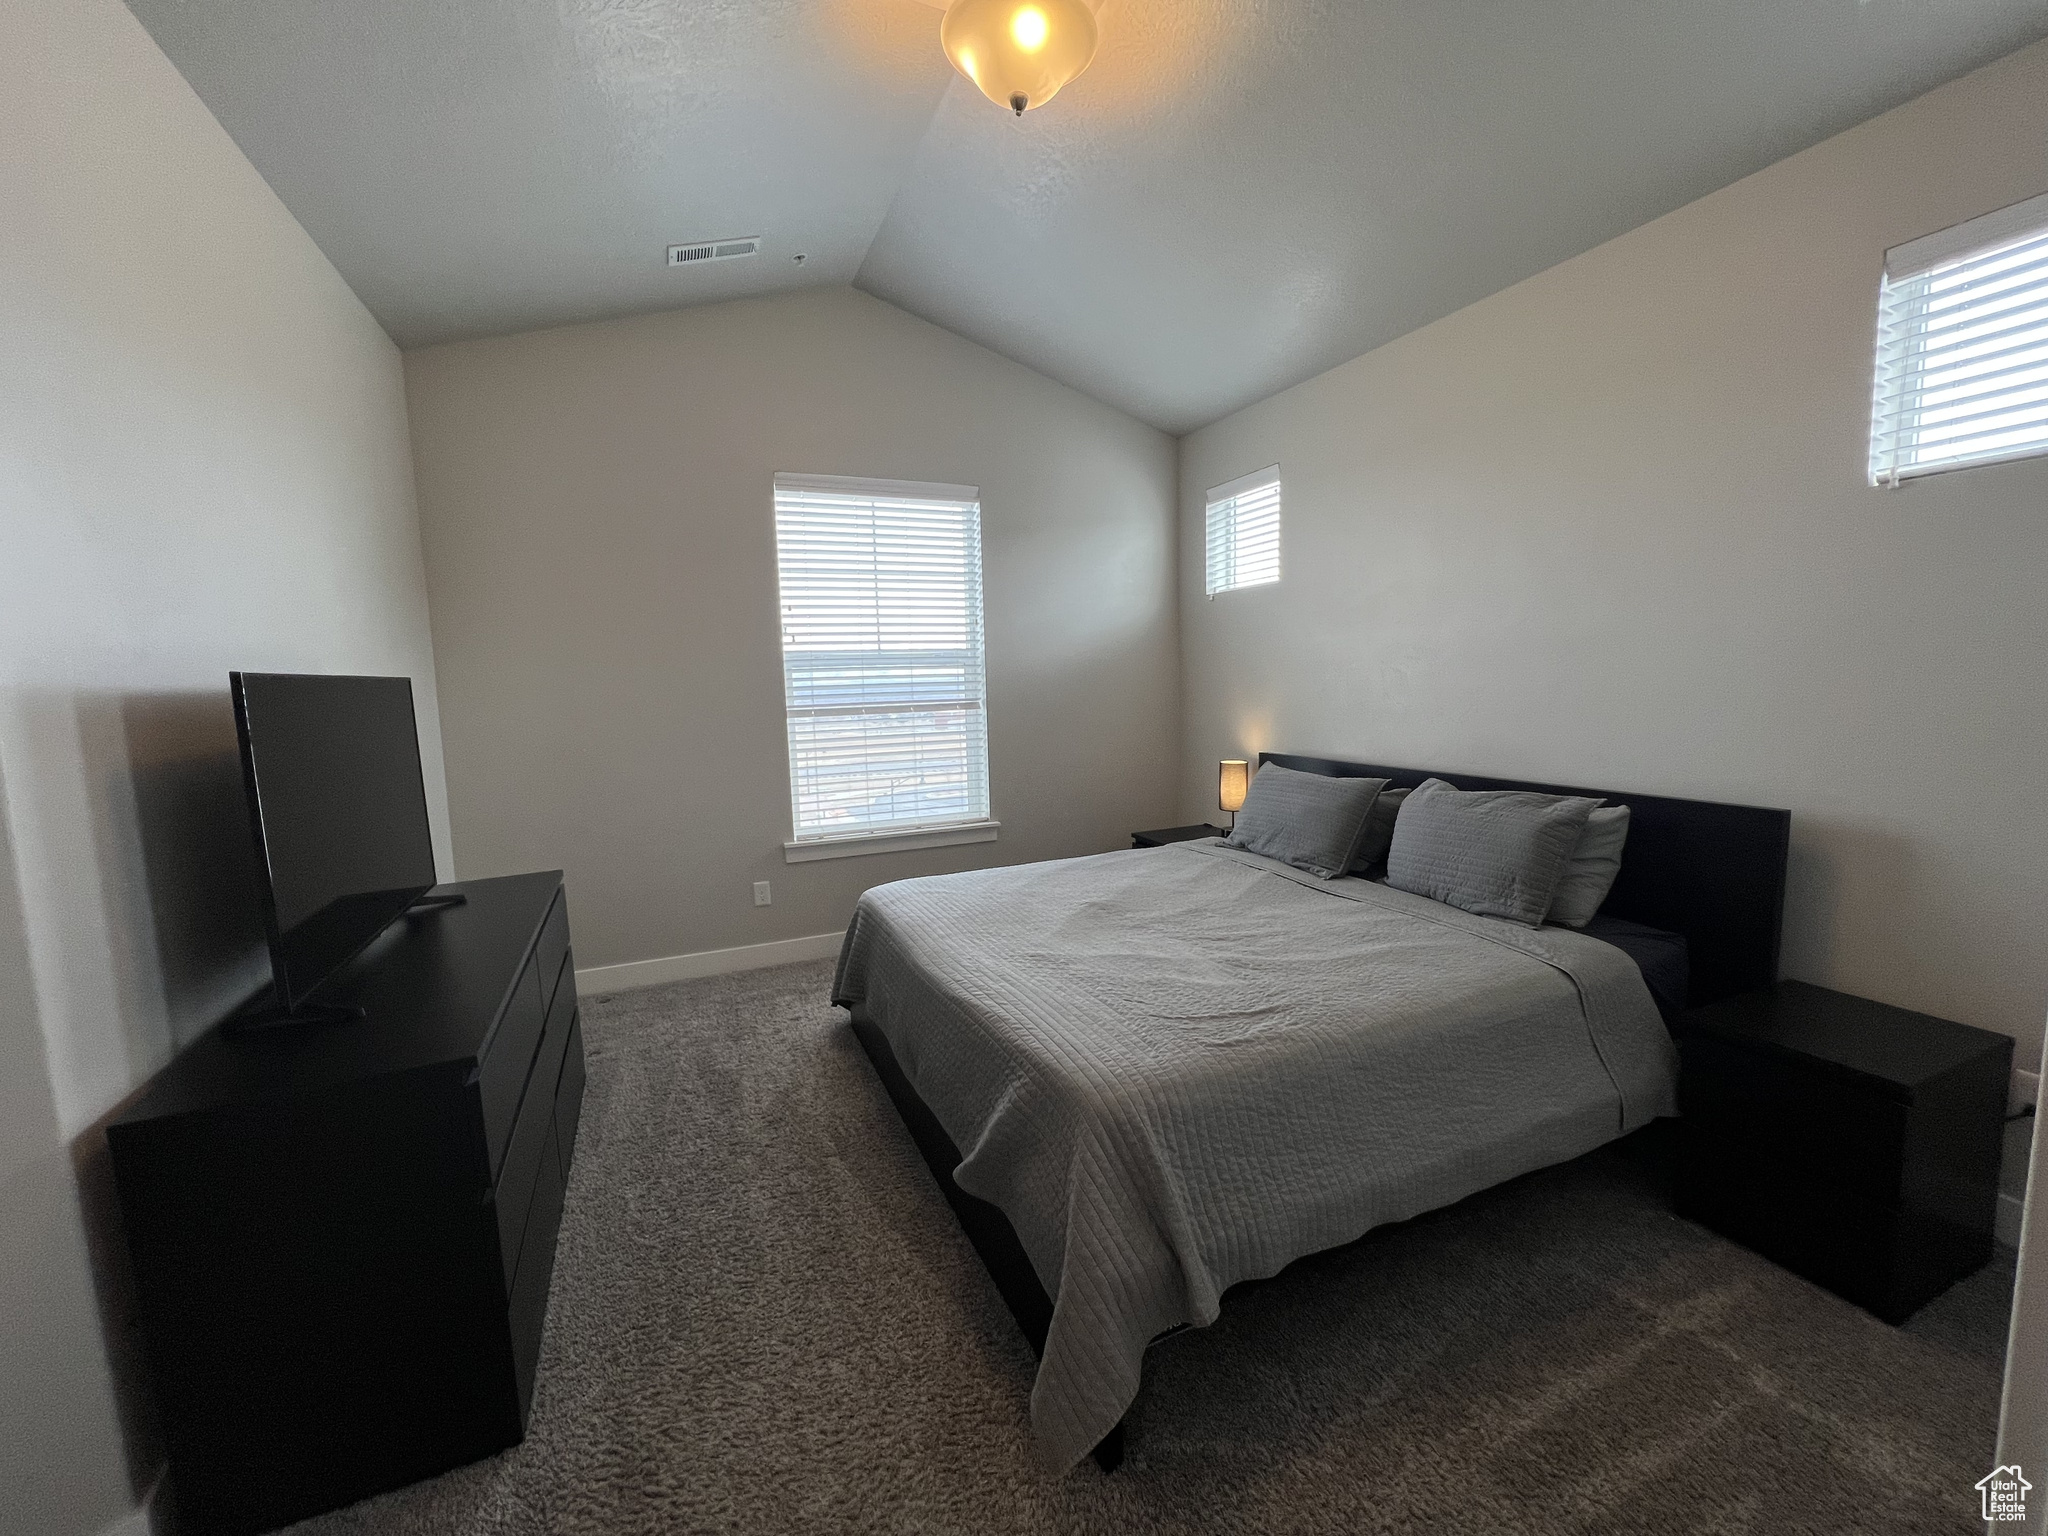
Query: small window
point(882, 663)
point(1244, 532)
point(1962, 347)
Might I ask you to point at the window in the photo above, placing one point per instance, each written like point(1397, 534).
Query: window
point(1962, 347)
point(882, 669)
point(1244, 532)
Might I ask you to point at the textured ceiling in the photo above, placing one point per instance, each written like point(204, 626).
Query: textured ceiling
point(1238, 195)
point(474, 167)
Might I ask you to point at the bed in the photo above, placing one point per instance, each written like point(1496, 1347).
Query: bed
point(1144, 1077)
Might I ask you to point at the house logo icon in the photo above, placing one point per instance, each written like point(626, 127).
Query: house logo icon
point(2005, 1495)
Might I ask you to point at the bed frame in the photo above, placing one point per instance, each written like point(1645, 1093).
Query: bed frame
point(1715, 873)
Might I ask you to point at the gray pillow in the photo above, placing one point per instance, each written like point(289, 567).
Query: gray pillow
point(1594, 863)
point(1497, 852)
point(1379, 832)
point(1309, 820)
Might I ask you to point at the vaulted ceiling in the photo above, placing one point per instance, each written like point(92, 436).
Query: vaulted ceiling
point(1238, 194)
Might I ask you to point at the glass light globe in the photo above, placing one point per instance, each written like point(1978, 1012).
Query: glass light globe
point(1019, 52)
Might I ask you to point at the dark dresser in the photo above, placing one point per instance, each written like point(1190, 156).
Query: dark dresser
point(1854, 1143)
point(342, 1235)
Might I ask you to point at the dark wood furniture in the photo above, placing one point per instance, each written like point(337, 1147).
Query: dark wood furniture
point(1854, 1143)
point(1161, 836)
point(343, 1235)
point(1715, 873)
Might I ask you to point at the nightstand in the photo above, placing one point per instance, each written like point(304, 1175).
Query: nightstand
point(1854, 1143)
point(1160, 837)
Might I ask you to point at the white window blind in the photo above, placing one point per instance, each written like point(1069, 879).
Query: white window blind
point(882, 663)
point(1962, 347)
point(1244, 532)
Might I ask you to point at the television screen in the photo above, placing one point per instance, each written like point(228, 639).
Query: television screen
point(339, 806)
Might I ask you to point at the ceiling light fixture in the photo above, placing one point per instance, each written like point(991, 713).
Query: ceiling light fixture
point(1019, 52)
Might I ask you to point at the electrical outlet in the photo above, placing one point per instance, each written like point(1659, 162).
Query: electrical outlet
point(761, 896)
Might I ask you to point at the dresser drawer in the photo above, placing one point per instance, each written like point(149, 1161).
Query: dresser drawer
point(569, 1095)
point(528, 1308)
point(1877, 1254)
point(530, 1135)
point(1790, 1115)
point(1832, 1237)
point(554, 945)
point(564, 994)
point(547, 1069)
point(508, 1060)
point(514, 1192)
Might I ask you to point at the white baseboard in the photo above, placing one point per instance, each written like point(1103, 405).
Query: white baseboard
point(634, 974)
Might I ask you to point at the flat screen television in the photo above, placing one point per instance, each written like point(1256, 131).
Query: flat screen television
point(339, 808)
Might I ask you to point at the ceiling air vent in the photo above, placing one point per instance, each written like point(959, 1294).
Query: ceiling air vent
point(713, 250)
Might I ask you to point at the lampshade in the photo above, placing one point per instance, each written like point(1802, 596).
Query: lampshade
point(1020, 52)
point(1231, 778)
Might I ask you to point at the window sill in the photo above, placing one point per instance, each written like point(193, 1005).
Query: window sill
point(890, 842)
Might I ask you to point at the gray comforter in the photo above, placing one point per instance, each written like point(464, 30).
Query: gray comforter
point(1178, 1068)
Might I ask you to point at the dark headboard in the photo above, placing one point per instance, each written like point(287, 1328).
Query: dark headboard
point(1715, 873)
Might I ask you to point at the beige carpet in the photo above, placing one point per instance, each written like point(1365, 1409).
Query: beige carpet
point(765, 1320)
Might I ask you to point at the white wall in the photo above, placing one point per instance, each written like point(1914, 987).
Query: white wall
point(1610, 527)
point(596, 506)
point(203, 465)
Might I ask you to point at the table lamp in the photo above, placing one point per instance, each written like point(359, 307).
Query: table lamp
point(1231, 778)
